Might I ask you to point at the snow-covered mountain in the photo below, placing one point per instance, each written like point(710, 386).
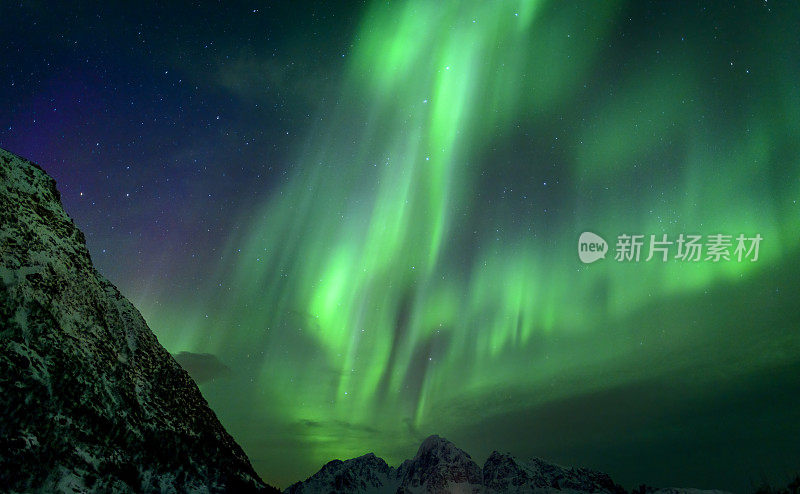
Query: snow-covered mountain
point(440, 467)
point(90, 401)
point(503, 473)
point(366, 473)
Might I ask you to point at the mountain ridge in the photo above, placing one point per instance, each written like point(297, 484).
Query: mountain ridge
point(439, 467)
point(93, 403)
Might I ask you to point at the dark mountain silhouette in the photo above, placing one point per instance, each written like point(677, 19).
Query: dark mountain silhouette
point(441, 467)
point(91, 402)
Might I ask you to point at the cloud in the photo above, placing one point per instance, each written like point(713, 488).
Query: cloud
point(203, 367)
point(338, 425)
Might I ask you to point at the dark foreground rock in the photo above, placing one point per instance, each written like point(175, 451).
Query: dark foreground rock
point(91, 402)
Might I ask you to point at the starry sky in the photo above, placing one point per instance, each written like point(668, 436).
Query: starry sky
point(357, 223)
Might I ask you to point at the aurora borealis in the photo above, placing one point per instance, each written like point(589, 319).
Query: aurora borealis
point(369, 215)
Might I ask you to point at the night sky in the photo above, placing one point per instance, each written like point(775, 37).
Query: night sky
point(360, 221)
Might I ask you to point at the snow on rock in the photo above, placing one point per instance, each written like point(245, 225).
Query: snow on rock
point(366, 473)
point(504, 473)
point(91, 401)
point(441, 467)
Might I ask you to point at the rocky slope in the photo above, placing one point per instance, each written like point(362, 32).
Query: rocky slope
point(503, 473)
point(90, 401)
point(440, 467)
point(366, 473)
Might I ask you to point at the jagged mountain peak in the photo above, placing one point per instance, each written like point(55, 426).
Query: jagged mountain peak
point(440, 447)
point(441, 467)
point(366, 473)
point(434, 442)
point(504, 473)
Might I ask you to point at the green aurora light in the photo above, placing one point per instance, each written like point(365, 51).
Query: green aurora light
point(392, 288)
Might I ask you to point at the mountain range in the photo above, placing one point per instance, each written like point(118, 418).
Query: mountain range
point(441, 467)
